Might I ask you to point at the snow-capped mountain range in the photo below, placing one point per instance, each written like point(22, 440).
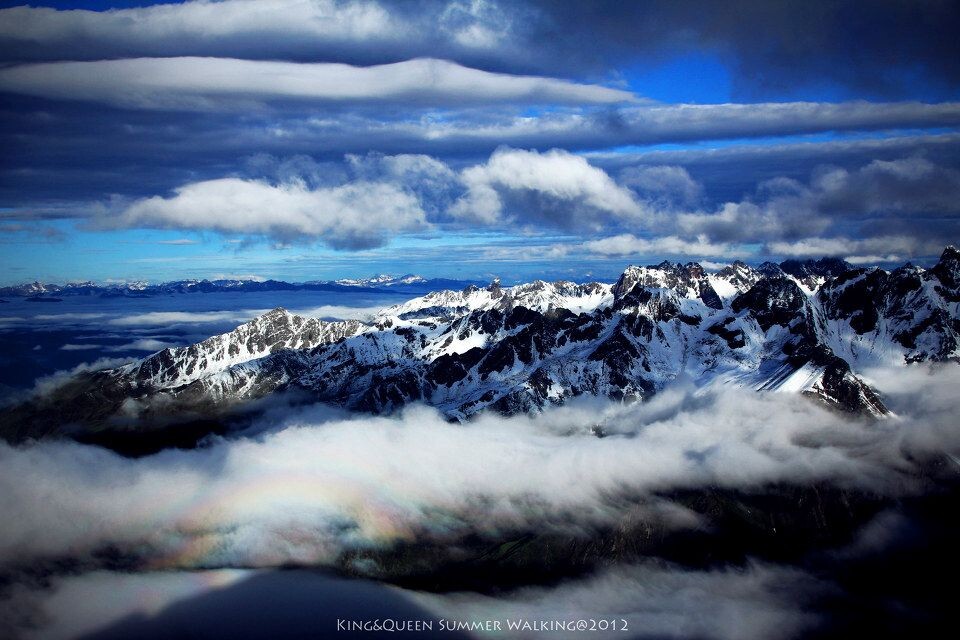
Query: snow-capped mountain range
point(802, 327)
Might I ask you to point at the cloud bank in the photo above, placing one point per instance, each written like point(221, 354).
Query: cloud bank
point(316, 484)
point(308, 485)
point(870, 212)
point(628, 245)
point(759, 601)
point(656, 601)
point(353, 216)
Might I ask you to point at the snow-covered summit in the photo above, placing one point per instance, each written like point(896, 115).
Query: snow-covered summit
point(537, 295)
point(381, 280)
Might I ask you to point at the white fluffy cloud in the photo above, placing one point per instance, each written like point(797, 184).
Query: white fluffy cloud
point(434, 183)
point(403, 166)
point(387, 195)
point(351, 216)
point(80, 347)
point(554, 187)
point(143, 344)
point(206, 83)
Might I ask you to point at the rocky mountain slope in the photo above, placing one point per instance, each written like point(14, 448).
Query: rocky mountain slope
point(798, 327)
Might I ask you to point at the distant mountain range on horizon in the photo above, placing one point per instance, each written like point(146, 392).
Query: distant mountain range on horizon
point(407, 283)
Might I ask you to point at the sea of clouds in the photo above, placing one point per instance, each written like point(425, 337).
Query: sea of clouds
point(306, 485)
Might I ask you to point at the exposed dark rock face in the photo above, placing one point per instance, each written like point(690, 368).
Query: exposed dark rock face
point(771, 301)
point(733, 337)
point(947, 272)
point(915, 308)
point(857, 296)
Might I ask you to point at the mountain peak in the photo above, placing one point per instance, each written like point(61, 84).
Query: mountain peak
point(769, 269)
point(688, 281)
point(494, 288)
point(950, 253)
point(737, 266)
point(694, 269)
point(666, 265)
point(275, 313)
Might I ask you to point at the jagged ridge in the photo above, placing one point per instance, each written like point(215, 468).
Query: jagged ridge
point(804, 329)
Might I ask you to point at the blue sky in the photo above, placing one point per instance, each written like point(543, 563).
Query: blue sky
point(315, 140)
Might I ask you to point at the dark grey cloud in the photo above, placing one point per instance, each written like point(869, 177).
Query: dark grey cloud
point(780, 153)
point(75, 151)
point(887, 206)
point(666, 185)
point(869, 211)
point(655, 124)
point(908, 186)
point(728, 173)
point(866, 251)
